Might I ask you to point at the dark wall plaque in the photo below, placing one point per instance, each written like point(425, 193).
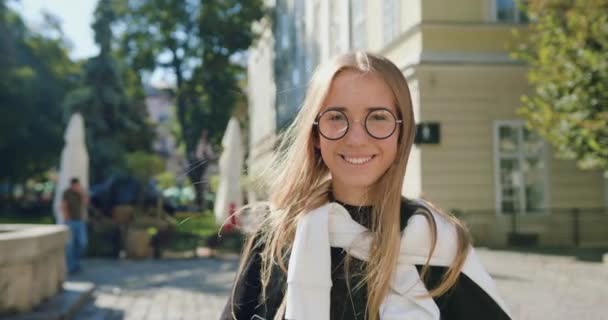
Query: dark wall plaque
point(428, 133)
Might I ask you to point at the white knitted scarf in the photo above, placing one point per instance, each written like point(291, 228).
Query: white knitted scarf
point(309, 271)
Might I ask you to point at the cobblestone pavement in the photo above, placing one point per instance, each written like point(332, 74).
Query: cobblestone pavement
point(534, 286)
point(162, 289)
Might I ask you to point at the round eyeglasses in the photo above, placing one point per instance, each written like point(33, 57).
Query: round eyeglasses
point(333, 124)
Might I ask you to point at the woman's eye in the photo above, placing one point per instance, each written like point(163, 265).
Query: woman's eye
point(379, 117)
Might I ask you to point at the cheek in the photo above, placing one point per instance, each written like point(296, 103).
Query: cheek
point(327, 148)
point(389, 148)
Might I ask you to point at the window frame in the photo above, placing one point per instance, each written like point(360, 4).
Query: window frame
point(388, 35)
point(517, 13)
point(520, 156)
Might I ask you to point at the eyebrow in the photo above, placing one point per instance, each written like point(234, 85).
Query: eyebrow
point(344, 109)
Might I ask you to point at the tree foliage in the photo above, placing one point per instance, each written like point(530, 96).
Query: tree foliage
point(115, 122)
point(35, 75)
point(198, 43)
point(195, 42)
point(567, 51)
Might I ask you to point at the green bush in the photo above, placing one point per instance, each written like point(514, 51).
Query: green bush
point(17, 219)
point(202, 226)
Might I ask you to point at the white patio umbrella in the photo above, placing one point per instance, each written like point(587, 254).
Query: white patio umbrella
point(229, 195)
point(74, 162)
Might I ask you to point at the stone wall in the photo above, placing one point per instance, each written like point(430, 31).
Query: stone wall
point(32, 264)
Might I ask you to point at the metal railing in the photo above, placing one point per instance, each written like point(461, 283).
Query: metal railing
point(556, 227)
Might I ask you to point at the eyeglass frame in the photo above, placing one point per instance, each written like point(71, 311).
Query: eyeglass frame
point(371, 110)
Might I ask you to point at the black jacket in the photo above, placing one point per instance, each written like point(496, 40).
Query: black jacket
point(465, 300)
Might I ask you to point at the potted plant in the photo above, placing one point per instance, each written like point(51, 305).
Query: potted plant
point(144, 167)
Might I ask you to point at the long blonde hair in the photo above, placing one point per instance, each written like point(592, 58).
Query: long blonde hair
point(299, 181)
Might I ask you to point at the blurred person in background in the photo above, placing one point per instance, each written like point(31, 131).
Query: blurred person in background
point(74, 209)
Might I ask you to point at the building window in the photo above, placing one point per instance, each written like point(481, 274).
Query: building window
point(521, 169)
point(390, 23)
point(510, 11)
point(295, 77)
point(357, 24)
point(335, 32)
point(284, 31)
point(313, 46)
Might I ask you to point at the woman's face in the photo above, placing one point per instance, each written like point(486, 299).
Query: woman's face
point(357, 160)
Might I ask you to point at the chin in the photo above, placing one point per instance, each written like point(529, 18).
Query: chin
point(358, 182)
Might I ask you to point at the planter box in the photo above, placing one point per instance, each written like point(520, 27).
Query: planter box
point(138, 243)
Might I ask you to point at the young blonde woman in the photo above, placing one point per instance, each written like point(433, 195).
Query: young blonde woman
point(338, 240)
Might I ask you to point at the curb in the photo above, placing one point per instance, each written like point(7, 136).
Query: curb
point(62, 306)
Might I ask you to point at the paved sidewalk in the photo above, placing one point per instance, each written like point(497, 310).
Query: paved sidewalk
point(534, 286)
point(547, 287)
point(162, 289)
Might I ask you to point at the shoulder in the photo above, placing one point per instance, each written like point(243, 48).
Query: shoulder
point(423, 216)
point(424, 223)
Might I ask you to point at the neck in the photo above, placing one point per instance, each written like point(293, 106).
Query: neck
point(350, 195)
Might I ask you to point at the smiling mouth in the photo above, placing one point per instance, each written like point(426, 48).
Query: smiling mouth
point(357, 160)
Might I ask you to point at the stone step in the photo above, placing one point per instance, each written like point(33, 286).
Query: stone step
point(92, 312)
point(62, 306)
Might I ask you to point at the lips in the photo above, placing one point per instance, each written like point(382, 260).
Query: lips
point(357, 160)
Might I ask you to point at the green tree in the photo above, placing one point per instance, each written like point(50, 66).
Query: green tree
point(567, 50)
point(199, 44)
point(115, 122)
point(36, 74)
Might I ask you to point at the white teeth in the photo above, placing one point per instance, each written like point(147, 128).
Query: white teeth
point(357, 160)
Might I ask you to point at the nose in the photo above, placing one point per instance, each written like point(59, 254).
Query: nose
point(356, 133)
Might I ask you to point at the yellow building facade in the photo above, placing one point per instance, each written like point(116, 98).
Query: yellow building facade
point(480, 160)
